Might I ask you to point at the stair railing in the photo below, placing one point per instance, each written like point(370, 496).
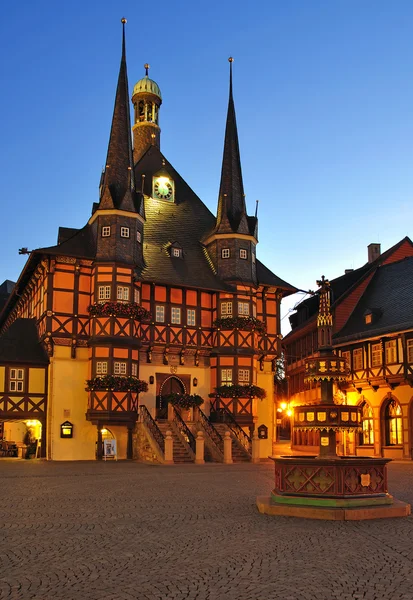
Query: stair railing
point(184, 430)
point(213, 434)
point(146, 418)
point(236, 429)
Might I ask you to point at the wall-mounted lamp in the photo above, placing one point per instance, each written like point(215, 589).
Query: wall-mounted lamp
point(66, 430)
point(195, 382)
point(151, 379)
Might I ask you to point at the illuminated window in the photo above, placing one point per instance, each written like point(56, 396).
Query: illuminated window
point(122, 293)
point(101, 368)
point(368, 318)
point(393, 421)
point(175, 315)
point(409, 348)
point(226, 309)
point(105, 231)
point(136, 295)
point(134, 369)
point(124, 232)
point(357, 359)
point(346, 356)
point(138, 237)
point(376, 355)
point(367, 436)
point(16, 380)
point(390, 349)
point(226, 376)
point(243, 308)
point(104, 293)
point(177, 252)
point(190, 317)
point(160, 314)
point(243, 375)
point(119, 368)
point(225, 253)
point(243, 253)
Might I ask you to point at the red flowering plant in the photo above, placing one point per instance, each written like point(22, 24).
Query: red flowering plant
point(116, 383)
point(128, 310)
point(185, 401)
point(243, 323)
point(239, 391)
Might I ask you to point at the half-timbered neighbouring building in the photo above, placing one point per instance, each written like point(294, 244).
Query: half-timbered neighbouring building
point(154, 288)
point(374, 332)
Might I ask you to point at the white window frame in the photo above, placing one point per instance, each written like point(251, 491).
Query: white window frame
point(104, 293)
point(226, 376)
point(119, 368)
point(175, 315)
point(358, 359)
point(122, 293)
point(244, 309)
point(16, 380)
point(390, 348)
point(409, 350)
point(376, 355)
point(225, 253)
point(101, 367)
point(226, 309)
point(243, 376)
point(191, 317)
point(125, 232)
point(253, 257)
point(160, 313)
point(139, 237)
point(136, 295)
point(176, 252)
point(243, 253)
point(134, 370)
point(106, 231)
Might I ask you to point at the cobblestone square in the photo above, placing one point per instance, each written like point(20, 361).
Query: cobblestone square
point(124, 531)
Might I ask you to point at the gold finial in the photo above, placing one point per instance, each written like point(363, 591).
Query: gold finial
point(146, 66)
point(230, 59)
point(123, 20)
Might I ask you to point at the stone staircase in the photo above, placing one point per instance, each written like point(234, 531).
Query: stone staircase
point(239, 453)
point(181, 450)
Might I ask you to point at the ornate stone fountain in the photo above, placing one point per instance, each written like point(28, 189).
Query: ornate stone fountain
point(328, 486)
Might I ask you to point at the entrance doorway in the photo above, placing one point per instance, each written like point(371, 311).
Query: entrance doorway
point(171, 385)
point(20, 438)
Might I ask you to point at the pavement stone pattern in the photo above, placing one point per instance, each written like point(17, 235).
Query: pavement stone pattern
point(128, 531)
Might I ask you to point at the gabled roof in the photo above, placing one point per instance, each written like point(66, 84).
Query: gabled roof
point(389, 297)
point(20, 344)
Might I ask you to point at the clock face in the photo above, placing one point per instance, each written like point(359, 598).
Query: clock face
point(163, 188)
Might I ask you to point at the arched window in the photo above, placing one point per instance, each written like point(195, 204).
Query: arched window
point(367, 435)
point(393, 422)
point(141, 110)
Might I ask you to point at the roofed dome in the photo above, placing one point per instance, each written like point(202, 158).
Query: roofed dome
point(147, 85)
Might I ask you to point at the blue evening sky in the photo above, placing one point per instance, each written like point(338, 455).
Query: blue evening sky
point(323, 93)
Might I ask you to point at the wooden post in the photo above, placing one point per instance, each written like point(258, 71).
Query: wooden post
point(200, 446)
point(255, 447)
point(99, 454)
point(129, 447)
point(227, 448)
point(169, 448)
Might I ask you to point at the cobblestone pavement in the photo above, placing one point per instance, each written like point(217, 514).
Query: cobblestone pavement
point(125, 531)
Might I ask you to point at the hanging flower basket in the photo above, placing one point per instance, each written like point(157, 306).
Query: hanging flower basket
point(243, 323)
point(116, 383)
point(128, 310)
point(239, 391)
point(184, 401)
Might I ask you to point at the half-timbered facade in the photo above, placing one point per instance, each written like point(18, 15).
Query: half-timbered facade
point(154, 288)
point(374, 334)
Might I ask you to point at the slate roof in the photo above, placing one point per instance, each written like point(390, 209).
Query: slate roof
point(6, 289)
point(389, 295)
point(81, 244)
point(20, 344)
point(187, 222)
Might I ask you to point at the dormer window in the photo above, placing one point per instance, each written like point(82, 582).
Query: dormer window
point(176, 252)
point(105, 231)
point(124, 232)
point(225, 253)
point(368, 318)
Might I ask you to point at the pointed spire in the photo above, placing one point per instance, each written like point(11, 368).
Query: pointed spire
point(231, 214)
point(118, 189)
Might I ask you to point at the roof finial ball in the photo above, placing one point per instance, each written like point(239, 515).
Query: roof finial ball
point(230, 59)
point(146, 67)
point(123, 20)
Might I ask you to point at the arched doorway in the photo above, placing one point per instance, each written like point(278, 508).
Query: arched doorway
point(172, 385)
